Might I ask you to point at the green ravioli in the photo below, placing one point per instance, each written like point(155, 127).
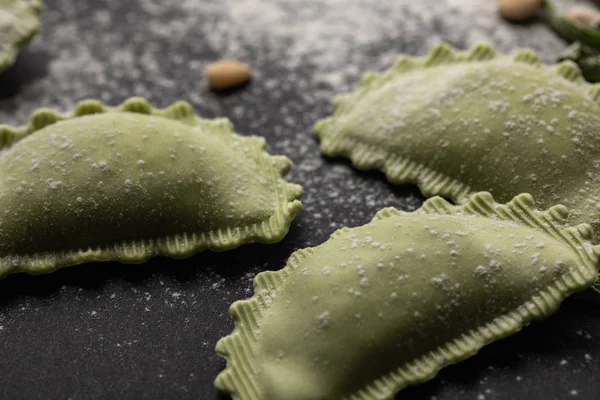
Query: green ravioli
point(459, 122)
point(19, 23)
point(388, 304)
point(134, 182)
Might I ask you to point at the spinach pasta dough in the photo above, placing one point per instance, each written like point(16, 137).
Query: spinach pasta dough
point(386, 305)
point(133, 182)
point(19, 23)
point(460, 122)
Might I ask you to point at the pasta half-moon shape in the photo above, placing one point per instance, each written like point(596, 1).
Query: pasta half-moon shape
point(460, 122)
point(129, 183)
point(19, 24)
point(388, 304)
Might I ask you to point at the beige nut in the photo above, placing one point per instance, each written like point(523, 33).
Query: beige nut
point(519, 10)
point(584, 15)
point(227, 74)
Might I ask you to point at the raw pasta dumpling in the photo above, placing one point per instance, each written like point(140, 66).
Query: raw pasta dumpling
point(133, 182)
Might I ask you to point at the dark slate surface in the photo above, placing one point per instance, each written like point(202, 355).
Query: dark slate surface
point(106, 331)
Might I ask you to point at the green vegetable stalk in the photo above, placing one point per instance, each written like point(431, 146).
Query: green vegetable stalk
point(585, 51)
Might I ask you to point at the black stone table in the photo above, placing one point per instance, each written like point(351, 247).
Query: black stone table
point(112, 331)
